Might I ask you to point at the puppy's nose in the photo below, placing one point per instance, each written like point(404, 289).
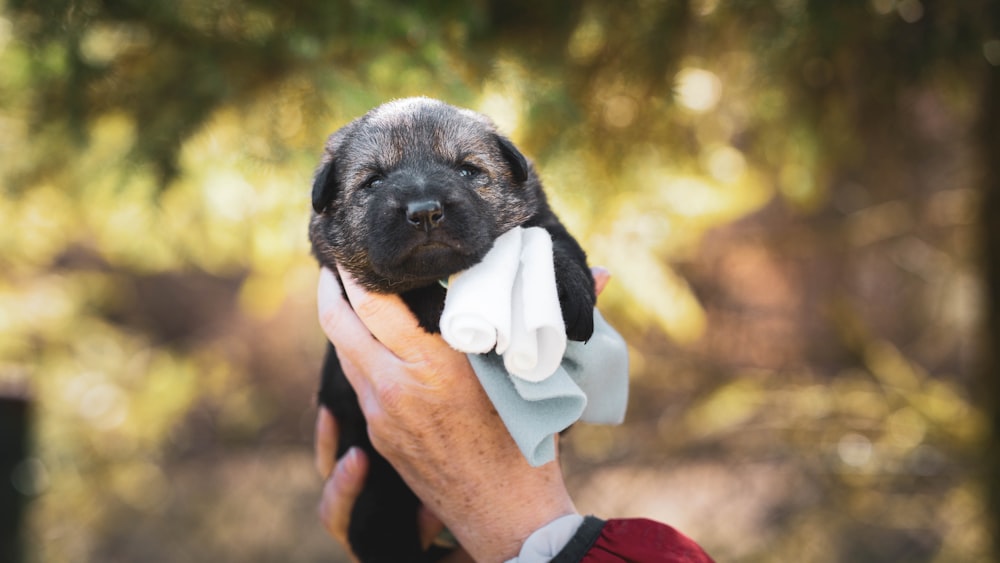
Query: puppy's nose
point(425, 214)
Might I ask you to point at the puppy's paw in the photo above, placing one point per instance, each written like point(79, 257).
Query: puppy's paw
point(576, 299)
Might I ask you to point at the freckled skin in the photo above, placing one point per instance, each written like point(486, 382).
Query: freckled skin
point(371, 173)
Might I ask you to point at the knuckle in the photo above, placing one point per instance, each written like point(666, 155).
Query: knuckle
point(330, 320)
point(369, 307)
point(391, 396)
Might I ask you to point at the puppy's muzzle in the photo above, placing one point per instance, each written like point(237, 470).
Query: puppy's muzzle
point(425, 214)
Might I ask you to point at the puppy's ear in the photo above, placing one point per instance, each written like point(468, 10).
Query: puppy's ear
point(324, 187)
point(518, 164)
point(325, 184)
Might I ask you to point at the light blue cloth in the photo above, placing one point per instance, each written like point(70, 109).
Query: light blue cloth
point(546, 542)
point(591, 385)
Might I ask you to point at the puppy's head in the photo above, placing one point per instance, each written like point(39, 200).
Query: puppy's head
point(416, 190)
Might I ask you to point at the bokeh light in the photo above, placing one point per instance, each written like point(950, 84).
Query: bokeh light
point(789, 196)
point(698, 89)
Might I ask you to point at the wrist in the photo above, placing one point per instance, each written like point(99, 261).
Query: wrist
point(499, 518)
point(548, 541)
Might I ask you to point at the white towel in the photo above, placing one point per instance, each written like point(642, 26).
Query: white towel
point(477, 312)
point(509, 302)
point(538, 335)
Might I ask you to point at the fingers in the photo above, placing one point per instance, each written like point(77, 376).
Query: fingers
point(326, 442)
point(352, 339)
point(344, 479)
point(335, 314)
point(601, 278)
point(340, 492)
point(391, 322)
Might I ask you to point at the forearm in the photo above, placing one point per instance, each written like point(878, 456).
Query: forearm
point(497, 532)
point(493, 521)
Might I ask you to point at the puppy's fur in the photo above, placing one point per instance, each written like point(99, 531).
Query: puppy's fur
point(410, 193)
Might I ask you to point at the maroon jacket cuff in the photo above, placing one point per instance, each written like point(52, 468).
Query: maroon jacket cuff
point(632, 540)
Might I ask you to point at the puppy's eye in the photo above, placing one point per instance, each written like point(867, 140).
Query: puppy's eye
point(469, 171)
point(372, 181)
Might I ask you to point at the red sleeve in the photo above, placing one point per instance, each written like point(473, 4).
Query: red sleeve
point(638, 540)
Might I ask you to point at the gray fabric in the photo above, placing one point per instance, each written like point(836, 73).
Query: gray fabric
point(590, 385)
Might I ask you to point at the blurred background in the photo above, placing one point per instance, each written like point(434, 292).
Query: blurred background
point(796, 199)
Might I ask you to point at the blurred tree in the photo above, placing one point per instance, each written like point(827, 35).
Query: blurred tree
point(792, 180)
point(989, 153)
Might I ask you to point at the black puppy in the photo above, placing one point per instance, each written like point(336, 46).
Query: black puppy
point(410, 193)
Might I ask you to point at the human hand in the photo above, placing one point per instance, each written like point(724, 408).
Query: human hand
point(344, 480)
point(430, 418)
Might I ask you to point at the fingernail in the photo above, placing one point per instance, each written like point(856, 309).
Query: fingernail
point(352, 460)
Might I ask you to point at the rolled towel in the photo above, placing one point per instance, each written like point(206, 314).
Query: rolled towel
point(538, 334)
point(477, 308)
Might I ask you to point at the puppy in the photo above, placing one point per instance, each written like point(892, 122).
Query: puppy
point(406, 195)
